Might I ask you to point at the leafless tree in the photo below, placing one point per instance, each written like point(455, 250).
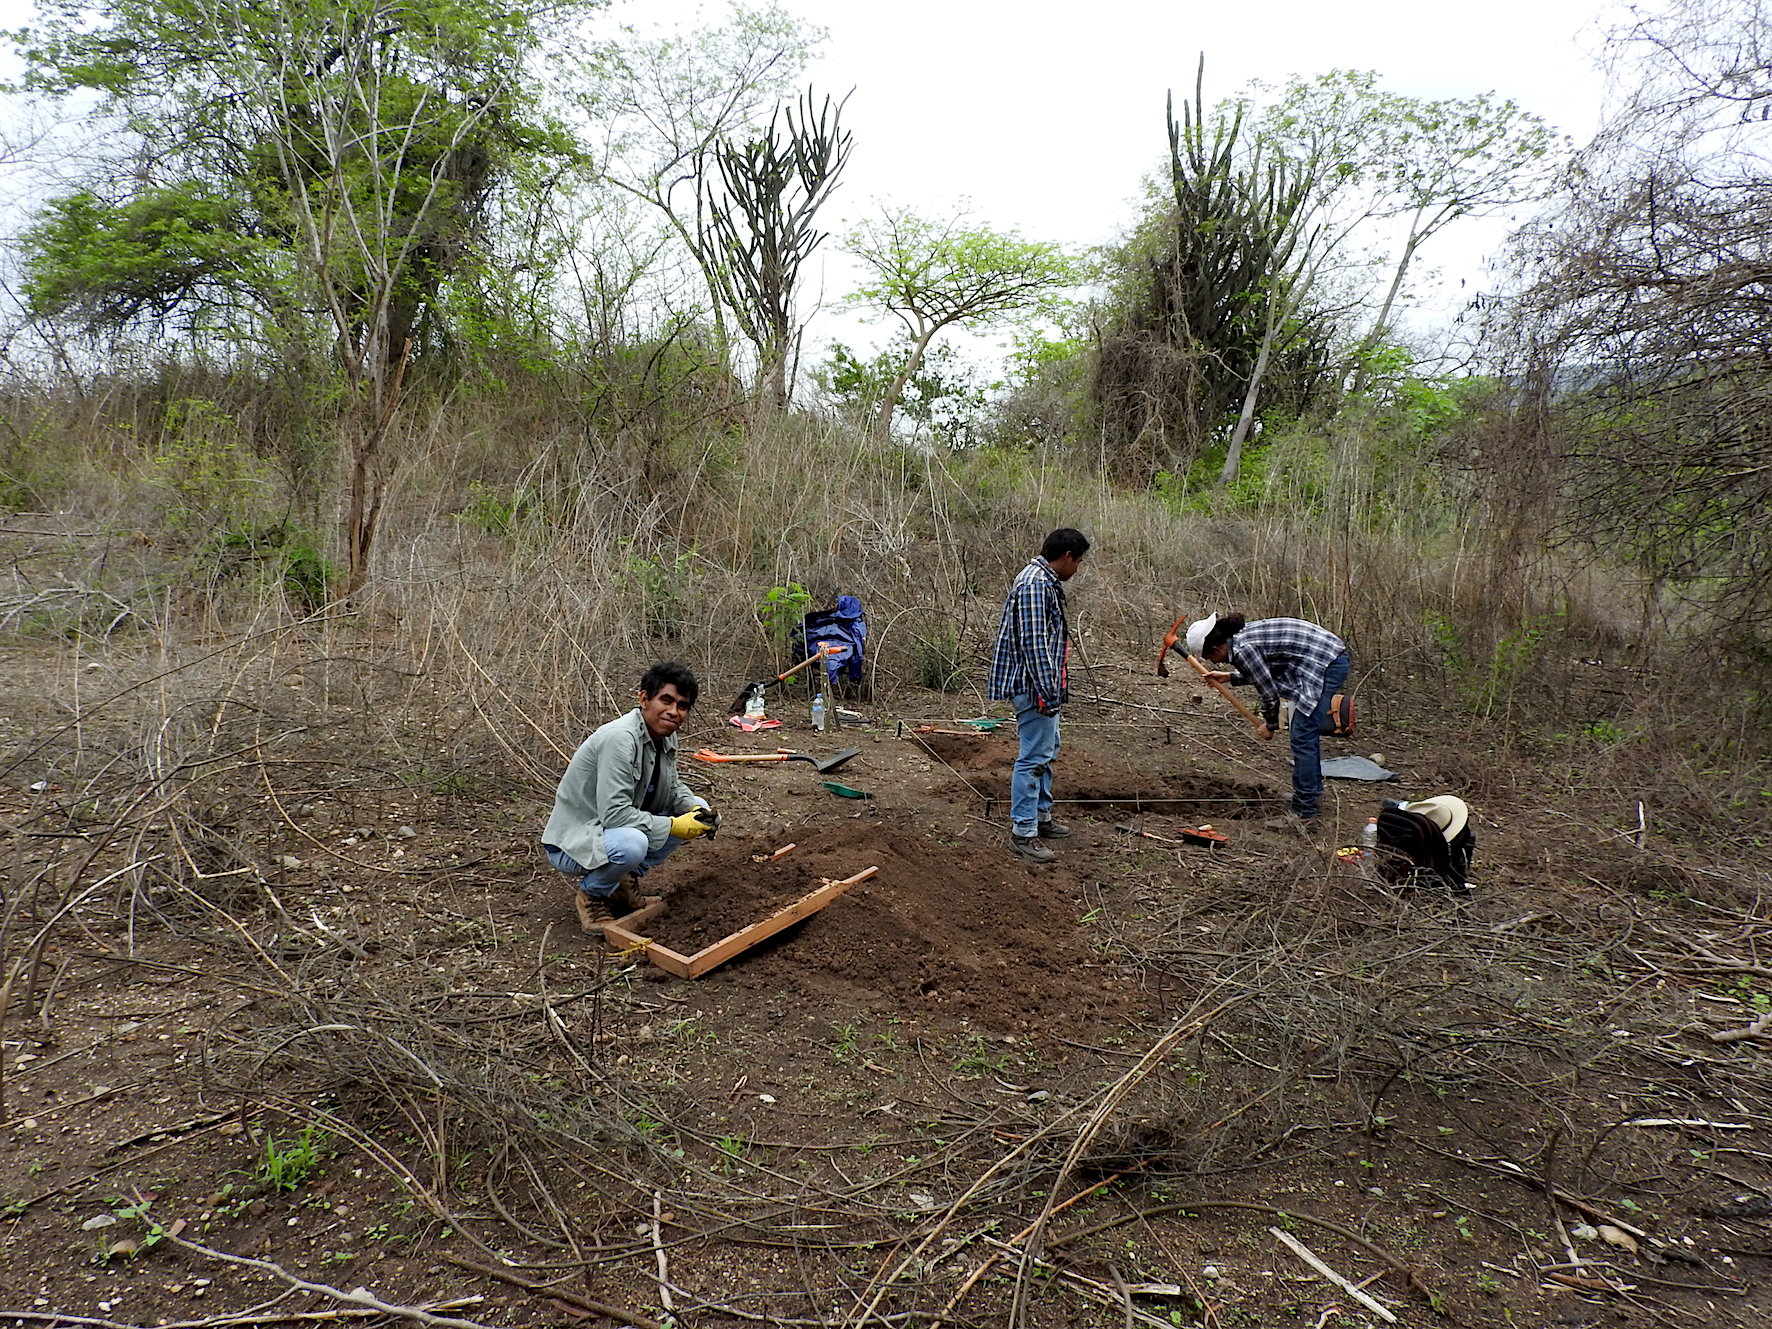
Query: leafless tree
point(1646, 317)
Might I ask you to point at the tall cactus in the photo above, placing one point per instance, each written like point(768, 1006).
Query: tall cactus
point(1179, 360)
point(773, 186)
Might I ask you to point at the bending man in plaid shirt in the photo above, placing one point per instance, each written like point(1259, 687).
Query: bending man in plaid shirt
point(1028, 669)
point(1282, 657)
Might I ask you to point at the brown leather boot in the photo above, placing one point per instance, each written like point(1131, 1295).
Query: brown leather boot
point(594, 913)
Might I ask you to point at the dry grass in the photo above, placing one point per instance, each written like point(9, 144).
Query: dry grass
point(506, 618)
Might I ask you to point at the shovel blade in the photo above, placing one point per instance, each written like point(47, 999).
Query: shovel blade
point(833, 761)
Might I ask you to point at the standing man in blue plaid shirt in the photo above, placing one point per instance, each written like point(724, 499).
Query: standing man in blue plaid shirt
point(1028, 668)
point(1284, 658)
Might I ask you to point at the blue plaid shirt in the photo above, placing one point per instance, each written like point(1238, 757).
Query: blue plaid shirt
point(1032, 639)
point(1284, 657)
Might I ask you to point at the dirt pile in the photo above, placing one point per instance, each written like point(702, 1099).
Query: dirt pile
point(958, 925)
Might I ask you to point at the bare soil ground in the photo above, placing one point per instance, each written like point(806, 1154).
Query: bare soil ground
point(295, 1007)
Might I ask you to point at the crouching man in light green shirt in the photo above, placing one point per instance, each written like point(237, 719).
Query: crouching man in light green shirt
point(620, 808)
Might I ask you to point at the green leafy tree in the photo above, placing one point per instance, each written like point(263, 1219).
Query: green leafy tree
point(316, 175)
point(934, 275)
point(945, 399)
point(1370, 156)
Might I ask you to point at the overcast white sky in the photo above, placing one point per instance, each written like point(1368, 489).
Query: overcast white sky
point(1046, 114)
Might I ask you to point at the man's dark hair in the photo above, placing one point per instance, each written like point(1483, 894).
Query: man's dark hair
point(669, 673)
point(1064, 541)
point(1228, 626)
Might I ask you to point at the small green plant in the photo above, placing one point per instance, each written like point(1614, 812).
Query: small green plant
point(664, 589)
point(494, 513)
point(278, 556)
point(127, 1248)
point(937, 662)
point(1487, 690)
point(1463, 1224)
point(1603, 731)
point(979, 1060)
point(1448, 638)
point(200, 462)
point(1744, 990)
point(690, 1032)
point(290, 1161)
point(848, 1039)
point(731, 1146)
point(781, 609)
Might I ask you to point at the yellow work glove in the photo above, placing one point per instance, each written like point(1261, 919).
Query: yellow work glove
point(691, 824)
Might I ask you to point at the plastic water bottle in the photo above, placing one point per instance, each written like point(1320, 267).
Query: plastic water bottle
point(818, 716)
point(753, 703)
point(1369, 834)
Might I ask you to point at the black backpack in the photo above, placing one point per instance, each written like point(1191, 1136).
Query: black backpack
point(1412, 851)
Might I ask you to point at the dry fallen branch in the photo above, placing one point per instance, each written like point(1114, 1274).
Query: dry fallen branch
point(1758, 1029)
point(1311, 1258)
point(1411, 1279)
point(360, 1296)
point(619, 1314)
point(237, 1320)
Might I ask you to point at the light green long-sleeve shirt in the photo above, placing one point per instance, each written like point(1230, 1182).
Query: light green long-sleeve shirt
point(605, 785)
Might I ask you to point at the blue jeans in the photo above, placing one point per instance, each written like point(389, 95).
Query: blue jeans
point(1307, 743)
point(1030, 787)
point(628, 851)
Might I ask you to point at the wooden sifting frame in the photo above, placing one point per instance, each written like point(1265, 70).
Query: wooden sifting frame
point(623, 934)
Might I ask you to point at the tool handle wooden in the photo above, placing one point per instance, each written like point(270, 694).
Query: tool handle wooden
point(819, 654)
point(708, 754)
point(1222, 690)
point(1146, 835)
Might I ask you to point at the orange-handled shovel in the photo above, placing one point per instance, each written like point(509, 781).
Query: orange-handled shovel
point(820, 764)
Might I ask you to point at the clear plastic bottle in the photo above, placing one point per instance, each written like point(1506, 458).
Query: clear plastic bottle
point(753, 703)
point(818, 713)
point(1369, 834)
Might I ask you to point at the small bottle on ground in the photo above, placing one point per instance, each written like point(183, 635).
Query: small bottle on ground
point(818, 715)
point(753, 703)
point(1369, 834)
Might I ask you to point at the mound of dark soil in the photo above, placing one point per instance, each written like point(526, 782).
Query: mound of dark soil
point(983, 752)
point(962, 925)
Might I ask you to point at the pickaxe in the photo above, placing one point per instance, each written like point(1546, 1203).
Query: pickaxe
point(744, 693)
point(1169, 643)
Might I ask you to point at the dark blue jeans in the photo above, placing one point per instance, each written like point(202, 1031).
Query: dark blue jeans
point(1307, 743)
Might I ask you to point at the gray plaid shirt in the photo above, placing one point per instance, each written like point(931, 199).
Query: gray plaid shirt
point(1284, 657)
